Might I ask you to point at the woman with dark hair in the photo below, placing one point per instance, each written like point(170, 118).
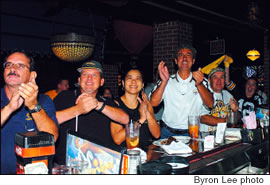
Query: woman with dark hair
point(138, 108)
point(249, 100)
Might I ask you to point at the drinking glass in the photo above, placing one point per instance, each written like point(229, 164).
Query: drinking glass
point(194, 145)
point(79, 167)
point(194, 126)
point(134, 161)
point(61, 170)
point(232, 118)
point(132, 135)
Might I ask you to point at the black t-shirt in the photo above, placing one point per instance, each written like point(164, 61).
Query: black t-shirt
point(93, 124)
point(134, 115)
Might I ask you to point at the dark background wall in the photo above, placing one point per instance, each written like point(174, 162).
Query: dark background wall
point(30, 26)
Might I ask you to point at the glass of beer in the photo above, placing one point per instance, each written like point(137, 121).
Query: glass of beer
point(132, 134)
point(194, 126)
point(194, 145)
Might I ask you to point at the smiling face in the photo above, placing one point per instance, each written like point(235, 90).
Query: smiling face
point(90, 80)
point(15, 76)
point(250, 88)
point(133, 82)
point(217, 81)
point(184, 59)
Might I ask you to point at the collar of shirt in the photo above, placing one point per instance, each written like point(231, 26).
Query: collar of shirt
point(188, 80)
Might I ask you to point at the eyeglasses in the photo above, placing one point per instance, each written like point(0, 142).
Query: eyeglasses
point(8, 65)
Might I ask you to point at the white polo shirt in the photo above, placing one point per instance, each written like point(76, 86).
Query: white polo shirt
point(181, 99)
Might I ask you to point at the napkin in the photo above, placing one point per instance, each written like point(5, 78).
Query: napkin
point(177, 148)
point(250, 120)
point(143, 154)
point(209, 142)
point(233, 133)
point(36, 168)
point(221, 127)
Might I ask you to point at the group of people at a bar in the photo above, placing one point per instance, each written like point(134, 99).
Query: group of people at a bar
point(85, 111)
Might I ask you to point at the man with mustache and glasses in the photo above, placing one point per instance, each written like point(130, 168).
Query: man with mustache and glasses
point(183, 93)
point(22, 107)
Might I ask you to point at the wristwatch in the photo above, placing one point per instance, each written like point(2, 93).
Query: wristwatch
point(101, 108)
point(37, 108)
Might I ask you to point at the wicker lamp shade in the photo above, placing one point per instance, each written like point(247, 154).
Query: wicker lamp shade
point(72, 47)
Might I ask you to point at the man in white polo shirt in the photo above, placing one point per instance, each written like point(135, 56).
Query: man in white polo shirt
point(183, 93)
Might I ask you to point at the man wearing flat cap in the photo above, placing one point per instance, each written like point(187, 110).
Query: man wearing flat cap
point(223, 102)
point(85, 111)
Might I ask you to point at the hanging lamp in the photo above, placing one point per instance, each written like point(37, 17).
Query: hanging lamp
point(72, 47)
point(253, 54)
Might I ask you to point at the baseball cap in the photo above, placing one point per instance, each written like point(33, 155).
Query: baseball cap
point(91, 65)
point(215, 70)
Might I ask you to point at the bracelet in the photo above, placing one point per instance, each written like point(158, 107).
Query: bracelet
point(231, 86)
point(139, 122)
point(101, 108)
point(145, 122)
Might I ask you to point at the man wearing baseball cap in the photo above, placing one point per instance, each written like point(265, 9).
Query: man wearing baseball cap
point(223, 102)
point(85, 111)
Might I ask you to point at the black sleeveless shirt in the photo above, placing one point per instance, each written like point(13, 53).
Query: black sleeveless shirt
point(134, 114)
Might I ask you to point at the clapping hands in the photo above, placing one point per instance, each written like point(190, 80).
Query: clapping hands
point(86, 103)
point(28, 91)
point(145, 109)
point(15, 101)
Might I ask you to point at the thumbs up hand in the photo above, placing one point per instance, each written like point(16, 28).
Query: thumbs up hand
point(198, 76)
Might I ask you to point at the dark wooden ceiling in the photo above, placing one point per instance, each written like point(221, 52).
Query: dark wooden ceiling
point(221, 12)
point(227, 19)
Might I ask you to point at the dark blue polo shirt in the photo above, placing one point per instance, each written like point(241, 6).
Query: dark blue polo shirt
point(19, 121)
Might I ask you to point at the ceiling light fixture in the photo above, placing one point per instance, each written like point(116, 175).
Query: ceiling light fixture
point(253, 54)
point(72, 47)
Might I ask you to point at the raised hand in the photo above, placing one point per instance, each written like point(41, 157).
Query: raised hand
point(197, 76)
point(29, 92)
point(163, 72)
point(227, 61)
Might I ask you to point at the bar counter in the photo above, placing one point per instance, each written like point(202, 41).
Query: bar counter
point(227, 158)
